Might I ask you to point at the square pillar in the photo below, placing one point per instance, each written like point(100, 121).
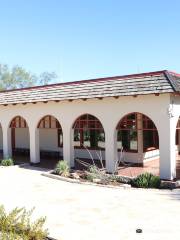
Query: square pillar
point(34, 146)
point(167, 149)
point(111, 154)
point(178, 146)
point(68, 146)
point(140, 133)
point(7, 148)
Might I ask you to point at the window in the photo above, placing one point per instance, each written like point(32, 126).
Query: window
point(128, 129)
point(177, 132)
point(88, 132)
point(150, 135)
point(127, 133)
point(150, 140)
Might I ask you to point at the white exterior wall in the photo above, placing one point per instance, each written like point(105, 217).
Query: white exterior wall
point(151, 155)
point(109, 111)
point(131, 157)
point(1, 139)
point(22, 138)
point(82, 153)
point(139, 157)
point(48, 140)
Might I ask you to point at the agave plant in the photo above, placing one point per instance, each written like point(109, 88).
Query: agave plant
point(62, 168)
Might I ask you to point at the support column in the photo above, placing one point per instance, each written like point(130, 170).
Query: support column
point(140, 138)
point(167, 149)
point(178, 146)
point(7, 148)
point(111, 149)
point(34, 145)
point(68, 147)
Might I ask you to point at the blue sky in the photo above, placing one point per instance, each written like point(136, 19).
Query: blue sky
point(84, 39)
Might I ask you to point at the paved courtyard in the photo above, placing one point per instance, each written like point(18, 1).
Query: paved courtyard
point(82, 212)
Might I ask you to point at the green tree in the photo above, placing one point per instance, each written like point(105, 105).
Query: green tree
point(18, 77)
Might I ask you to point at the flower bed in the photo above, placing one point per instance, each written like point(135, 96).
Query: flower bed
point(92, 176)
point(97, 176)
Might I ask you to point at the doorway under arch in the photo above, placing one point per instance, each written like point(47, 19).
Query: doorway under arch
point(50, 141)
point(89, 141)
point(20, 141)
point(138, 144)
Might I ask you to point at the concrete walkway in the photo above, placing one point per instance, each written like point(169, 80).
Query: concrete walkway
point(79, 212)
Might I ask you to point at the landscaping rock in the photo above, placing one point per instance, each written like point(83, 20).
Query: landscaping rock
point(169, 184)
point(74, 175)
point(96, 180)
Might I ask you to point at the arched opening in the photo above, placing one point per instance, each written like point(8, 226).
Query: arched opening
point(20, 139)
point(138, 144)
point(177, 142)
point(50, 141)
point(89, 141)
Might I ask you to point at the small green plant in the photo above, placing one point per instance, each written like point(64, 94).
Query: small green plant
point(95, 173)
point(92, 173)
point(119, 179)
point(62, 168)
point(7, 162)
point(146, 180)
point(17, 225)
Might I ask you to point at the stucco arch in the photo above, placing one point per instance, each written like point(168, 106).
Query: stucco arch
point(135, 113)
point(20, 138)
point(50, 140)
point(153, 117)
point(34, 121)
point(137, 136)
point(88, 134)
point(88, 113)
point(52, 115)
point(17, 116)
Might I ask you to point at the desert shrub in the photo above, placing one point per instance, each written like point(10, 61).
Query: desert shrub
point(146, 180)
point(119, 179)
point(94, 170)
point(95, 173)
point(7, 162)
point(92, 173)
point(62, 168)
point(17, 225)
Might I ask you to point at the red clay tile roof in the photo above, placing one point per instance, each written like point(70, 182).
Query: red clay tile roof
point(128, 85)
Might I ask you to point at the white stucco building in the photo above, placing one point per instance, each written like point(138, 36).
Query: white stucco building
point(138, 112)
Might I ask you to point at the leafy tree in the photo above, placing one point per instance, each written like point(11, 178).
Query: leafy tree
point(18, 77)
